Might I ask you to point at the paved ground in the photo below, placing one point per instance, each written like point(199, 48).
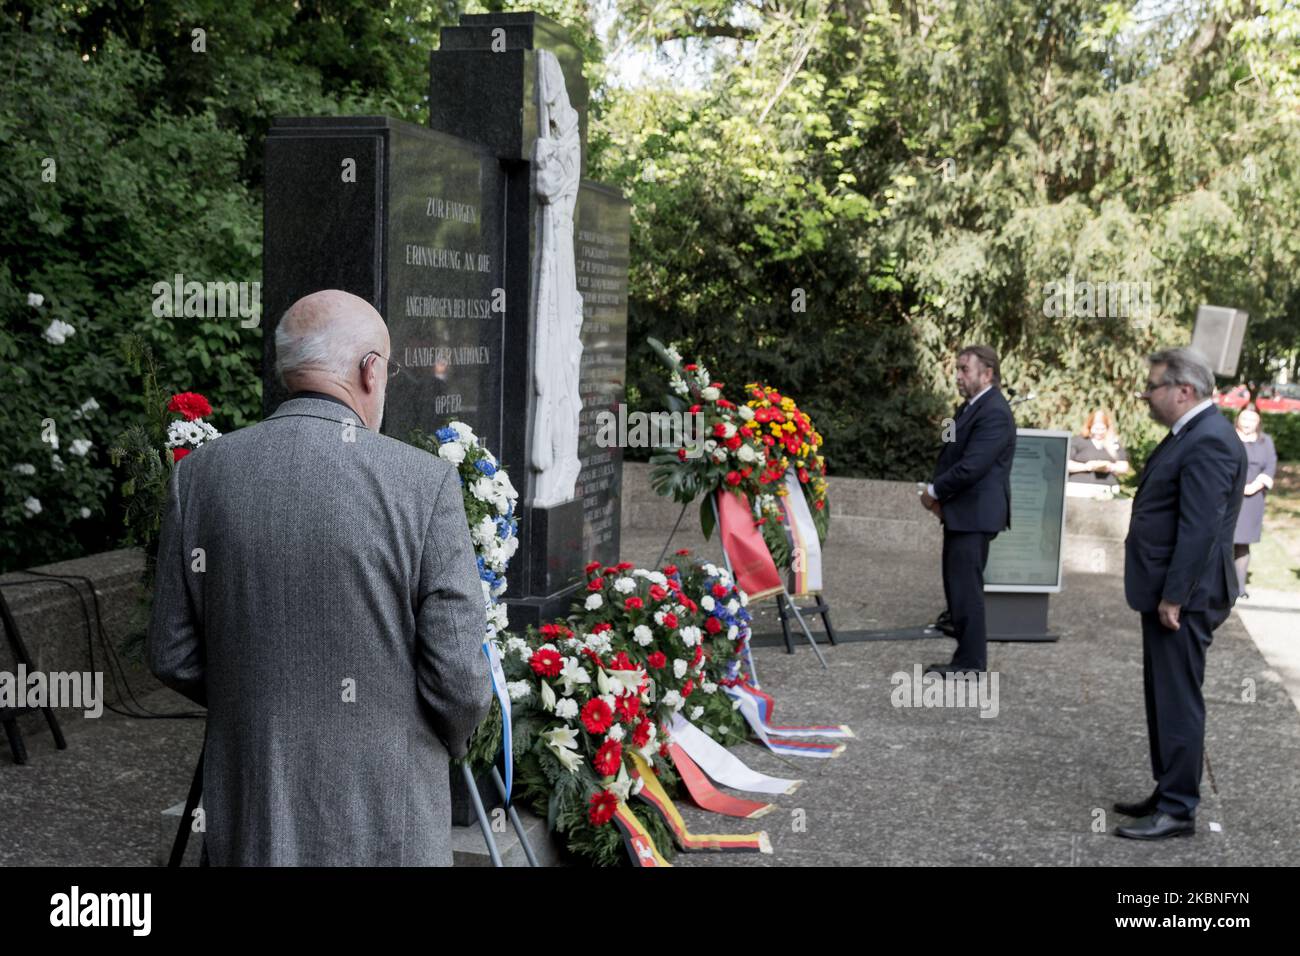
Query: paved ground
point(918, 787)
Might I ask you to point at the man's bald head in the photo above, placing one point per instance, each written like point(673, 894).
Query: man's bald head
point(319, 346)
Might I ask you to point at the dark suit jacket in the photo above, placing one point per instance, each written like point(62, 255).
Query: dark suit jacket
point(972, 480)
point(1179, 544)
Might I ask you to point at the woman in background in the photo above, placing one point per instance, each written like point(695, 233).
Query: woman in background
point(1096, 458)
point(1261, 469)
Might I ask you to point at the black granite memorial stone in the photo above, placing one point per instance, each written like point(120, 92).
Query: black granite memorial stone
point(440, 231)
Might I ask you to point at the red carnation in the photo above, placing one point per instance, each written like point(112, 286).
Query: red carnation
point(734, 442)
point(670, 569)
point(681, 552)
point(555, 630)
point(597, 716)
point(602, 808)
point(719, 591)
point(634, 604)
point(621, 662)
point(733, 477)
point(699, 652)
point(608, 758)
point(690, 605)
point(625, 566)
point(657, 593)
point(681, 454)
point(609, 571)
point(819, 505)
point(690, 368)
point(694, 409)
point(595, 584)
point(602, 627)
point(713, 625)
point(190, 404)
point(688, 687)
point(592, 566)
point(546, 662)
point(657, 660)
point(628, 707)
point(670, 620)
point(663, 749)
point(179, 453)
point(641, 736)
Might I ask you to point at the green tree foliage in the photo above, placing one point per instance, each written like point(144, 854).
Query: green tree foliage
point(923, 171)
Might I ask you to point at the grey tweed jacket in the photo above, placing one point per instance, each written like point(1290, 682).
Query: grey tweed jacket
point(317, 592)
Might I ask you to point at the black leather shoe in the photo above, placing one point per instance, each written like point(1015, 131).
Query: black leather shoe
point(945, 670)
point(1143, 809)
point(1158, 826)
point(937, 668)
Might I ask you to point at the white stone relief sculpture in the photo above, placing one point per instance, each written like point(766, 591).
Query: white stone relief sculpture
point(557, 315)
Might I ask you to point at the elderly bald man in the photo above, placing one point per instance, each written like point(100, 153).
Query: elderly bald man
point(317, 592)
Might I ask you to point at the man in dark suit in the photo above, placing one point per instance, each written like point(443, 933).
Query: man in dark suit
point(971, 494)
point(1179, 575)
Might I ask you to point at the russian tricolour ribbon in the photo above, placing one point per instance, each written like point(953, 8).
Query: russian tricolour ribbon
point(756, 707)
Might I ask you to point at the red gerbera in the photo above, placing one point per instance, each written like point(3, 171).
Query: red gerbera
point(657, 660)
point(602, 808)
point(597, 716)
point(190, 404)
point(608, 757)
point(546, 662)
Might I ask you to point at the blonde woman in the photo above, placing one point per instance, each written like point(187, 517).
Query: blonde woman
point(1096, 458)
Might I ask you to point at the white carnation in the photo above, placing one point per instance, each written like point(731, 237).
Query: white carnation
point(706, 602)
point(567, 708)
point(746, 454)
point(643, 635)
point(32, 506)
point(615, 732)
point(679, 668)
point(85, 512)
point(624, 585)
point(35, 299)
point(452, 451)
point(709, 394)
point(518, 689)
point(80, 447)
point(24, 469)
point(594, 601)
point(696, 712)
point(745, 412)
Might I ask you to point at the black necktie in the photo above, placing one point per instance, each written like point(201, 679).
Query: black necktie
point(962, 410)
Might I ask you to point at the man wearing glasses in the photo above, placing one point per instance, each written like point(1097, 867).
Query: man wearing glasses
point(334, 627)
point(1179, 575)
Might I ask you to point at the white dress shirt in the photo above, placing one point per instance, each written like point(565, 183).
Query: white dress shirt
point(1190, 414)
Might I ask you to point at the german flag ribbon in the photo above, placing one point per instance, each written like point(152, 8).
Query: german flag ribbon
point(709, 797)
point(640, 847)
point(653, 793)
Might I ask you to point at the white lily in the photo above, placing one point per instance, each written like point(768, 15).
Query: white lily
point(574, 673)
point(563, 742)
point(548, 697)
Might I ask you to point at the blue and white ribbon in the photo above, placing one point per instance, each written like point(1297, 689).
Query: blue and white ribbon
point(498, 677)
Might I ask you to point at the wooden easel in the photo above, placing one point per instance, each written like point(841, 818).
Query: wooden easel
point(9, 715)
